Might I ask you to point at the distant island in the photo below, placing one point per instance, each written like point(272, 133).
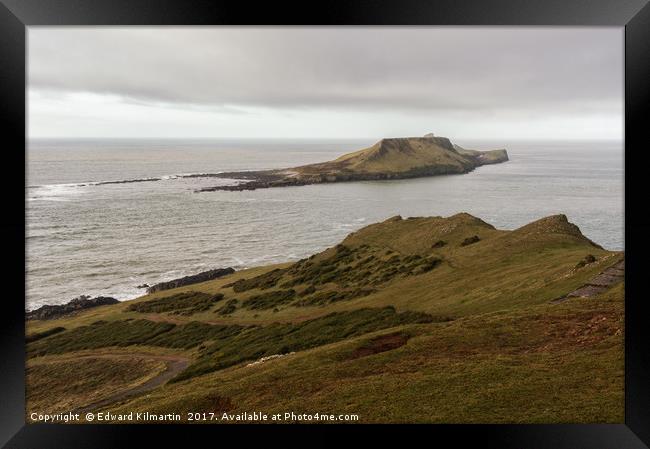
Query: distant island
point(393, 158)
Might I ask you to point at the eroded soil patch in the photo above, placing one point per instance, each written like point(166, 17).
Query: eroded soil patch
point(380, 344)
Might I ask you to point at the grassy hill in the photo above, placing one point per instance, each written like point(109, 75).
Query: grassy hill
point(397, 155)
point(425, 319)
point(393, 158)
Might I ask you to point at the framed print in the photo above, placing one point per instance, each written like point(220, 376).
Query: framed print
point(368, 217)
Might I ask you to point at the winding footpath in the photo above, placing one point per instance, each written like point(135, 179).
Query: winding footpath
point(599, 283)
point(175, 364)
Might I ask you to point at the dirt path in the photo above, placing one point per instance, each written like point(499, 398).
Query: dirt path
point(598, 284)
point(175, 364)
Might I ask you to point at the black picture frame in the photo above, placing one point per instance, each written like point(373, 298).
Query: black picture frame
point(634, 15)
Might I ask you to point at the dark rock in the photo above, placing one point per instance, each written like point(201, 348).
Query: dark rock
point(49, 312)
point(143, 286)
point(192, 279)
point(470, 240)
point(586, 261)
point(439, 244)
point(128, 181)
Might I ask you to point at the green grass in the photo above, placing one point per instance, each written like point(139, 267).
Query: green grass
point(262, 282)
point(355, 270)
point(99, 335)
point(38, 335)
point(331, 296)
point(62, 385)
point(230, 344)
point(131, 333)
point(270, 299)
point(193, 334)
point(186, 303)
point(548, 363)
point(280, 338)
point(228, 308)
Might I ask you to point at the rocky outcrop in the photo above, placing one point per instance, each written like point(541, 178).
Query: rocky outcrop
point(470, 240)
point(192, 279)
point(49, 312)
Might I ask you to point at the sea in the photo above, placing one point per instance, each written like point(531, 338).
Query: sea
point(85, 237)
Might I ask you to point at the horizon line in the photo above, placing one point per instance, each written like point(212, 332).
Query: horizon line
point(520, 139)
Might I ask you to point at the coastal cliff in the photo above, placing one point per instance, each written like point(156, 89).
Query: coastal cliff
point(392, 158)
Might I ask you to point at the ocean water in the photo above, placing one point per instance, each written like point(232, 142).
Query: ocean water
point(105, 239)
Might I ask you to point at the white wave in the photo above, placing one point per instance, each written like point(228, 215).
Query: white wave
point(346, 226)
point(124, 181)
point(125, 293)
point(198, 174)
point(54, 192)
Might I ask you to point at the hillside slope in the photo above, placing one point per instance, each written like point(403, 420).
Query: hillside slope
point(451, 311)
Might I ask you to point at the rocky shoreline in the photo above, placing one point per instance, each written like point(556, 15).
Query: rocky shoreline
point(50, 312)
point(191, 279)
point(265, 180)
point(83, 302)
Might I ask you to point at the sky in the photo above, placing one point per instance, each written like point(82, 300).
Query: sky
point(326, 82)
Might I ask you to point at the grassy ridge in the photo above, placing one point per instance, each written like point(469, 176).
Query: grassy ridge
point(426, 319)
point(549, 363)
point(503, 270)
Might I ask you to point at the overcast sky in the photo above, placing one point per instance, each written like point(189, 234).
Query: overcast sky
point(326, 82)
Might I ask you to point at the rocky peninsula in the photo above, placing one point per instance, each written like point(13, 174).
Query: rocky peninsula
point(392, 158)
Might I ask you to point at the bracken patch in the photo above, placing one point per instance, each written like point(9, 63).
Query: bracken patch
point(380, 344)
point(262, 282)
point(269, 300)
point(186, 303)
point(282, 338)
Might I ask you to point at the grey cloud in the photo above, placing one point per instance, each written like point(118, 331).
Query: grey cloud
point(462, 69)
